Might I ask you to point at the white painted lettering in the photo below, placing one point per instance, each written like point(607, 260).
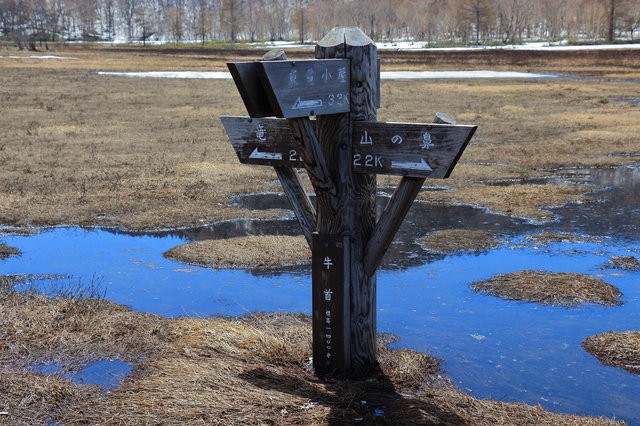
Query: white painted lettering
point(293, 156)
point(366, 139)
point(327, 294)
point(342, 75)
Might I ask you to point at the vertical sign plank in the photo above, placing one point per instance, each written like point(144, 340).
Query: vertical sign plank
point(330, 303)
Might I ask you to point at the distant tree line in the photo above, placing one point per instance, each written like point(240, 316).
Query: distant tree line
point(437, 22)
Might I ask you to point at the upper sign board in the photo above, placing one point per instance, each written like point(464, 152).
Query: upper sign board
point(408, 149)
point(305, 88)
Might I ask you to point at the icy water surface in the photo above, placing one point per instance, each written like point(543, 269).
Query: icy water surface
point(496, 349)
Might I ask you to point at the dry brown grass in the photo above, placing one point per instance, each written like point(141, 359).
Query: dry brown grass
point(566, 289)
point(252, 370)
point(561, 237)
point(151, 153)
point(627, 263)
point(8, 251)
point(453, 240)
point(72, 332)
point(253, 252)
point(618, 349)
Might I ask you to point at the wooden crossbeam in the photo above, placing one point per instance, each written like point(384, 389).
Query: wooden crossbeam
point(394, 213)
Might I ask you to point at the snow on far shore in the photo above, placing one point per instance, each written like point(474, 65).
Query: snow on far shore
point(385, 75)
point(417, 45)
point(37, 57)
point(420, 45)
point(538, 46)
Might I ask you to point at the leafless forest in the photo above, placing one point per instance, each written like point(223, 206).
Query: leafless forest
point(436, 22)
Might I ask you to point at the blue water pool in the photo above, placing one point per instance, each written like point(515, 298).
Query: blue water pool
point(498, 349)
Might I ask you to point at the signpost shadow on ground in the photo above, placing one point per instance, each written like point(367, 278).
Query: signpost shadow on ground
point(342, 150)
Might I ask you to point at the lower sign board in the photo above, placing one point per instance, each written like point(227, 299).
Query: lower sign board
point(408, 149)
point(330, 299)
point(262, 141)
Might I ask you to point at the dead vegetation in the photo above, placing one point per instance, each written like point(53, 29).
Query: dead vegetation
point(453, 240)
point(561, 237)
point(565, 289)
point(8, 251)
point(252, 370)
point(89, 150)
point(253, 252)
point(143, 154)
point(618, 349)
point(627, 263)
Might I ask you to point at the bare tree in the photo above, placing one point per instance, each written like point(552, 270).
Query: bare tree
point(276, 19)
point(629, 16)
point(231, 17)
point(203, 18)
point(127, 10)
point(477, 13)
point(299, 18)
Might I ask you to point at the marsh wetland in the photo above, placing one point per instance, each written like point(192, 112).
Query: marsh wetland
point(112, 172)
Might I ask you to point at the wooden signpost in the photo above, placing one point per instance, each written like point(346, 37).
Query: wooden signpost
point(342, 150)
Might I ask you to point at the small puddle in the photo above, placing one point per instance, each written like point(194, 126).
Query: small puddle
point(494, 348)
point(107, 374)
point(634, 101)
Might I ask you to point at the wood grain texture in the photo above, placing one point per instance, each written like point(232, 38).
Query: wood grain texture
point(306, 87)
point(300, 203)
point(394, 213)
point(314, 161)
point(262, 141)
point(355, 215)
point(255, 99)
point(331, 322)
point(289, 178)
point(408, 149)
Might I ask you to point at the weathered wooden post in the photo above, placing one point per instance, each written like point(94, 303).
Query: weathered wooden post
point(342, 151)
point(352, 222)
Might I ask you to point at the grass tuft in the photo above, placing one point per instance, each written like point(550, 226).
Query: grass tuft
point(566, 289)
point(454, 240)
point(618, 349)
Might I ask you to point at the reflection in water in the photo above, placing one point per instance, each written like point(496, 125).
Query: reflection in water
point(494, 348)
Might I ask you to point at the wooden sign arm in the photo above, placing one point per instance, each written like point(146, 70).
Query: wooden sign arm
point(292, 183)
point(300, 203)
point(312, 157)
point(394, 213)
point(316, 165)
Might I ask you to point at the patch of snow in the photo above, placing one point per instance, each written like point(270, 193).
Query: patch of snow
point(421, 46)
point(385, 75)
point(39, 57)
point(537, 46)
point(404, 75)
point(171, 74)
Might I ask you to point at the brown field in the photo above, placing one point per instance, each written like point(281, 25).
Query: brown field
point(95, 150)
point(88, 150)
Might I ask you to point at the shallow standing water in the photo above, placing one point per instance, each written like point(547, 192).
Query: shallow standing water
point(496, 349)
